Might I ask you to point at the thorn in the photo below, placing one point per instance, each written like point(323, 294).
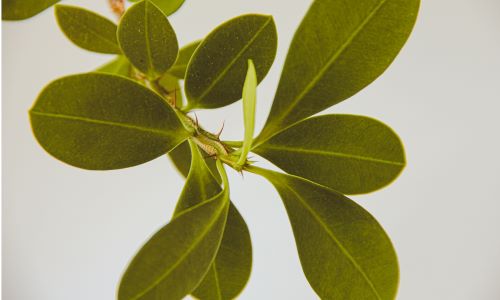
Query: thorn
point(220, 131)
point(196, 120)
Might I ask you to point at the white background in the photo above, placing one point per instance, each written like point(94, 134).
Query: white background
point(69, 233)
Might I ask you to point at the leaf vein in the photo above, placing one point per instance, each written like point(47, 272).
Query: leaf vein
point(335, 154)
point(326, 66)
point(103, 122)
point(233, 61)
point(336, 241)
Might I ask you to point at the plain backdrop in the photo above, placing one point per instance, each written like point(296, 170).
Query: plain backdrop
point(69, 233)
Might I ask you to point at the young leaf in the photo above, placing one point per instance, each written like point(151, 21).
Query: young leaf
point(350, 154)
point(231, 268)
point(102, 122)
point(118, 66)
point(170, 84)
point(23, 9)
point(249, 101)
point(87, 29)
point(175, 259)
point(147, 39)
point(217, 70)
point(185, 54)
point(344, 252)
point(340, 47)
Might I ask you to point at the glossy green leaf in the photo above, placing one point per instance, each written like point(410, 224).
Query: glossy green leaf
point(118, 66)
point(217, 70)
point(249, 103)
point(185, 54)
point(172, 263)
point(231, 268)
point(351, 154)
point(168, 7)
point(343, 250)
point(87, 29)
point(101, 122)
point(340, 47)
point(147, 39)
point(24, 9)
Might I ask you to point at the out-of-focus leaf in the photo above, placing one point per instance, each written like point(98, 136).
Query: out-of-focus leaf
point(118, 66)
point(185, 54)
point(87, 29)
point(14, 10)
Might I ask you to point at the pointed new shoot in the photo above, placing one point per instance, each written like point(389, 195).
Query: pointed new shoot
point(249, 100)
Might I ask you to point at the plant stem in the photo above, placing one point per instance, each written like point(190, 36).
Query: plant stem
point(118, 7)
point(223, 175)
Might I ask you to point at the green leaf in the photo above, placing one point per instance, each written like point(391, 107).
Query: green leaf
point(23, 9)
point(175, 259)
point(181, 157)
point(249, 102)
point(118, 66)
point(102, 122)
point(351, 154)
point(87, 29)
point(147, 39)
point(217, 70)
point(168, 7)
point(231, 268)
point(185, 54)
point(340, 47)
point(344, 252)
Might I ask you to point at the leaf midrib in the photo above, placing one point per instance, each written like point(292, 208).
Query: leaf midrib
point(104, 122)
point(188, 250)
point(336, 241)
point(332, 153)
point(111, 43)
point(327, 66)
point(146, 37)
point(233, 61)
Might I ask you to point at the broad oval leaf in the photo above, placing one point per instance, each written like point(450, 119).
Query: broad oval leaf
point(350, 154)
point(147, 39)
point(340, 47)
point(23, 9)
point(175, 259)
point(185, 54)
point(118, 66)
point(343, 250)
point(229, 272)
point(87, 29)
point(217, 70)
point(102, 122)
